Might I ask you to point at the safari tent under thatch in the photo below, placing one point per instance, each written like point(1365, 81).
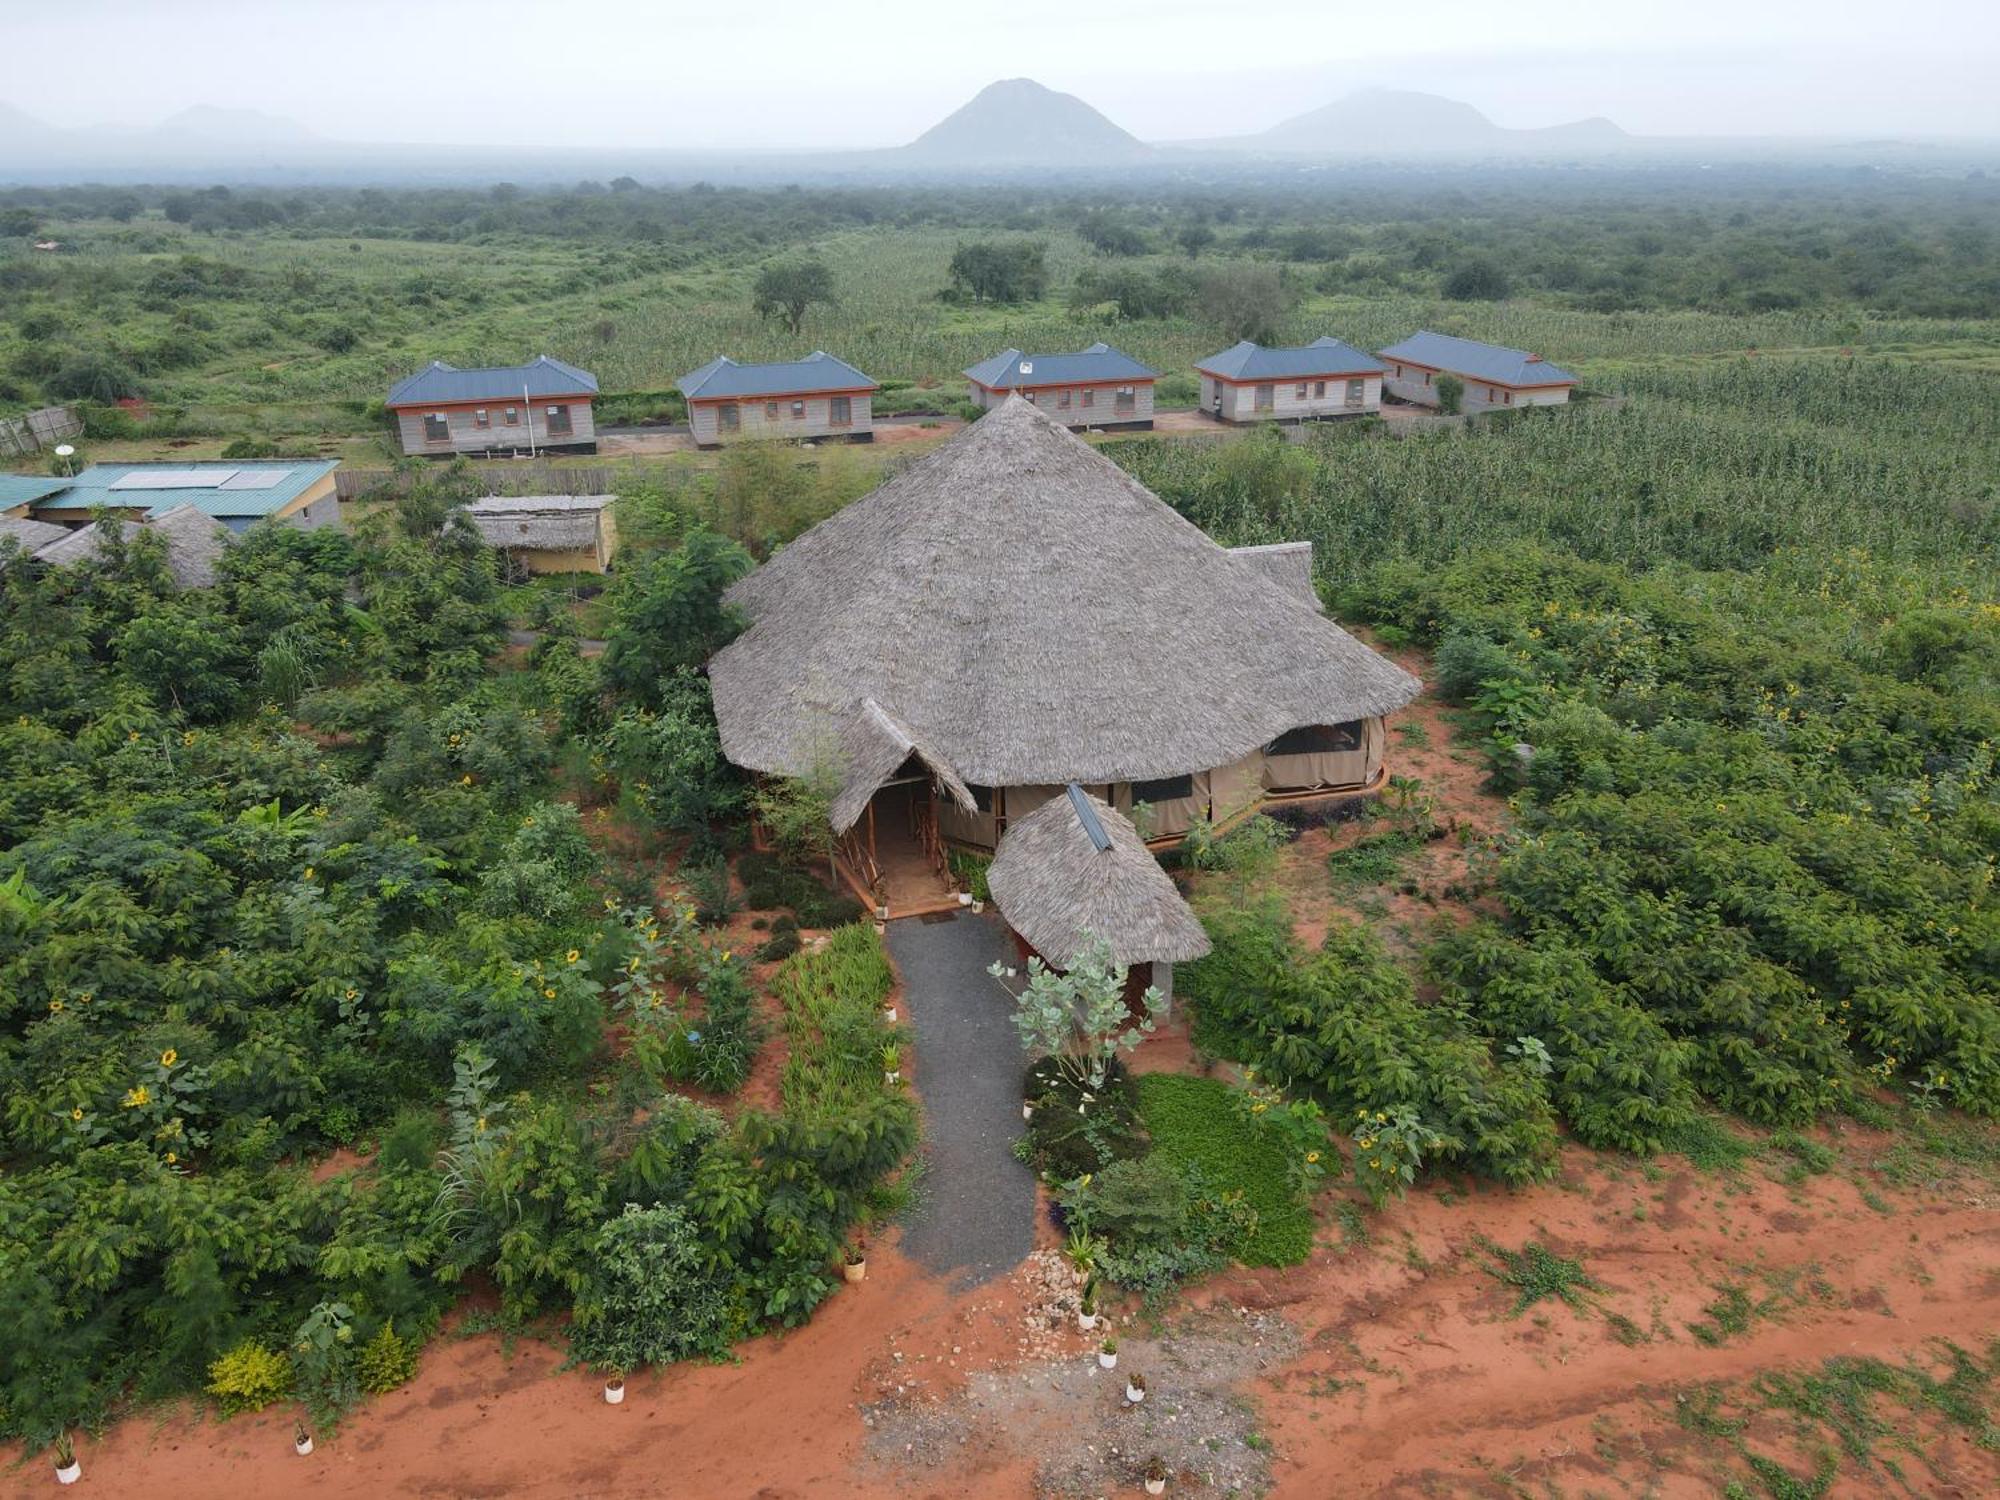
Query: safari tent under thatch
point(1074, 869)
point(1031, 615)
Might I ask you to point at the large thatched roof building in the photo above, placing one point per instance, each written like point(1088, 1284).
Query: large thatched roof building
point(1025, 614)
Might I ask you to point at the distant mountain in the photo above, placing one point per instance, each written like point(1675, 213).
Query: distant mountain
point(1403, 122)
point(215, 125)
point(1019, 122)
point(19, 125)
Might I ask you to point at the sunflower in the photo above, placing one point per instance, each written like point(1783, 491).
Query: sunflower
point(573, 955)
point(76, 1115)
point(138, 1097)
point(169, 1057)
point(549, 993)
point(55, 1007)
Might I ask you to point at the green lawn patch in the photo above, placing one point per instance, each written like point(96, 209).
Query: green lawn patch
point(1194, 1122)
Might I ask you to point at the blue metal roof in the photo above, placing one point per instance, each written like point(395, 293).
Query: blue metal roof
point(439, 383)
point(1324, 356)
point(722, 378)
point(227, 490)
point(23, 489)
point(1003, 372)
point(1490, 362)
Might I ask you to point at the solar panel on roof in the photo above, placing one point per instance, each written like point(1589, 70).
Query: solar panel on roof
point(173, 479)
point(255, 479)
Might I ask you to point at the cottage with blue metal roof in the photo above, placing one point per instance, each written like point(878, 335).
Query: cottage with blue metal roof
point(1326, 378)
point(1095, 387)
point(297, 491)
point(540, 407)
point(815, 397)
point(1494, 375)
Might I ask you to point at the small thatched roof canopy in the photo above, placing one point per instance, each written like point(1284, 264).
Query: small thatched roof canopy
point(1037, 616)
point(1057, 885)
point(873, 747)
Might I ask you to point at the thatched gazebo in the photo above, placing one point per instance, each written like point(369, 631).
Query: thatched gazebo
point(1075, 869)
point(1027, 615)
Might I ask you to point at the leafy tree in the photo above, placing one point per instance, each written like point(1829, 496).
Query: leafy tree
point(1481, 280)
point(995, 271)
point(93, 377)
point(1078, 1016)
point(1246, 302)
point(1194, 238)
point(786, 289)
point(668, 614)
point(671, 758)
point(1451, 394)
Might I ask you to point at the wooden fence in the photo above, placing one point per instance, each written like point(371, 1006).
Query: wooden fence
point(22, 437)
point(513, 479)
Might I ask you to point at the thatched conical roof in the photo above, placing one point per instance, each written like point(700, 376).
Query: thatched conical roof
point(873, 747)
point(1058, 886)
point(194, 541)
point(1036, 616)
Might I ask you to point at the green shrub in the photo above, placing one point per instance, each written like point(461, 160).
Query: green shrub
point(971, 868)
point(1161, 1223)
point(387, 1360)
point(1070, 1134)
point(654, 1296)
point(249, 1378)
point(1345, 1024)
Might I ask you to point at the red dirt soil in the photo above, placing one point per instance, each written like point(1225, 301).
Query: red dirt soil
point(1414, 1380)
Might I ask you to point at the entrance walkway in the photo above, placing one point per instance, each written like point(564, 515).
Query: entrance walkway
point(975, 1215)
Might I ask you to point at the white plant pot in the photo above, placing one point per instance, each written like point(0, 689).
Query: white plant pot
point(1106, 1361)
point(978, 907)
point(71, 1474)
point(892, 1075)
point(965, 898)
point(1156, 1486)
point(1133, 1393)
point(1027, 1111)
point(881, 929)
point(302, 1449)
point(614, 1392)
point(855, 1270)
point(889, 1014)
point(1086, 1321)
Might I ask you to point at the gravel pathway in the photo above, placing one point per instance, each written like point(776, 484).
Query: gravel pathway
point(976, 1214)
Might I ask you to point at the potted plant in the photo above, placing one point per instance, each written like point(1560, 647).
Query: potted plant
point(1135, 1388)
point(1027, 1109)
point(68, 1469)
point(302, 1441)
point(1107, 1355)
point(855, 1262)
point(1086, 1316)
point(614, 1390)
point(892, 1063)
point(889, 1014)
point(1156, 1475)
point(965, 898)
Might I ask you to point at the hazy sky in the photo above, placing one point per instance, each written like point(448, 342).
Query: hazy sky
point(821, 73)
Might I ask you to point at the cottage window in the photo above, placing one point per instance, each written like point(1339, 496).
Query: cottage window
point(1300, 394)
point(730, 416)
point(436, 428)
point(1507, 398)
point(1317, 739)
point(1399, 370)
point(1062, 400)
point(840, 411)
point(770, 411)
point(1125, 399)
point(559, 425)
point(1166, 789)
point(1427, 377)
point(1089, 397)
point(1355, 388)
point(513, 416)
point(798, 411)
point(1491, 394)
point(1264, 397)
point(481, 419)
point(1319, 390)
